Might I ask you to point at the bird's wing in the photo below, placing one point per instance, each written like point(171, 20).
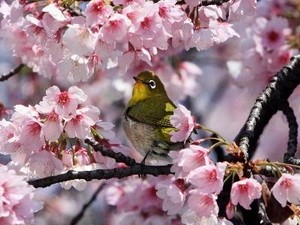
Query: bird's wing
point(152, 112)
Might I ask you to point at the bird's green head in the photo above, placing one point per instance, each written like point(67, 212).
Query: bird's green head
point(147, 85)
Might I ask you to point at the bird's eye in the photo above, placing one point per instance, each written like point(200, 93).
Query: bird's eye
point(152, 84)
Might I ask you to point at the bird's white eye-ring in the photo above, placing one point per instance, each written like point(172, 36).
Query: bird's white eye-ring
point(152, 84)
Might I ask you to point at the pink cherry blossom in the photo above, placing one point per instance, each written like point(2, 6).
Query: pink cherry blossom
point(55, 12)
point(78, 125)
point(184, 122)
point(189, 159)
point(208, 178)
point(75, 67)
point(243, 192)
point(17, 205)
point(203, 204)
point(201, 39)
point(32, 136)
point(52, 127)
point(44, 163)
point(170, 12)
point(272, 33)
point(115, 29)
point(105, 129)
point(230, 210)
point(64, 102)
point(79, 39)
point(170, 190)
point(287, 189)
point(97, 12)
point(240, 9)
point(7, 130)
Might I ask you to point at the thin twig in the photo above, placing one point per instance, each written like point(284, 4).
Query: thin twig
point(78, 217)
point(119, 157)
point(13, 72)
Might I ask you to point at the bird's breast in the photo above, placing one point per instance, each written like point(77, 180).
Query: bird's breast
point(141, 135)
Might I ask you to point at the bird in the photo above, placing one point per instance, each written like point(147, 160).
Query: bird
point(146, 119)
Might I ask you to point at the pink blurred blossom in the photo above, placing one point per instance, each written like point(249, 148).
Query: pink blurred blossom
point(55, 12)
point(243, 192)
point(184, 122)
point(240, 9)
point(17, 205)
point(272, 33)
point(287, 189)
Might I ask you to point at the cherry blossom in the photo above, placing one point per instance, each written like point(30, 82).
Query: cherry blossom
point(79, 39)
point(17, 205)
point(189, 159)
point(287, 189)
point(243, 192)
point(44, 163)
point(208, 178)
point(203, 204)
point(63, 102)
point(97, 12)
point(272, 33)
point(78, 125)
point(115, 29)
point(52, 127)
point(170, 190)
point(184, 122)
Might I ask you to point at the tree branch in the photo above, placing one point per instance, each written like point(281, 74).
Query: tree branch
point(267, 104)
point(289, 156)
point(13, 72)
point(101, 174)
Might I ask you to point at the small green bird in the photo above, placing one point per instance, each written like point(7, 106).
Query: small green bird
point(146, 119)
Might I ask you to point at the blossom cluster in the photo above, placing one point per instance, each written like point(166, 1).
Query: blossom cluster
point(17, 205)
point(48, 137)
point(266, 42)
point(198, 181)
point(136, 202)
point(112, 34)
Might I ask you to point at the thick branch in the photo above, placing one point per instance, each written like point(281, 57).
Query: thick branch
point(101, 174)
point(267, 104)
point(13, 72)
point(289, 156)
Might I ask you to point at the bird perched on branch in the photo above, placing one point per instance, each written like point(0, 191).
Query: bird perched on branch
point(146, 119)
